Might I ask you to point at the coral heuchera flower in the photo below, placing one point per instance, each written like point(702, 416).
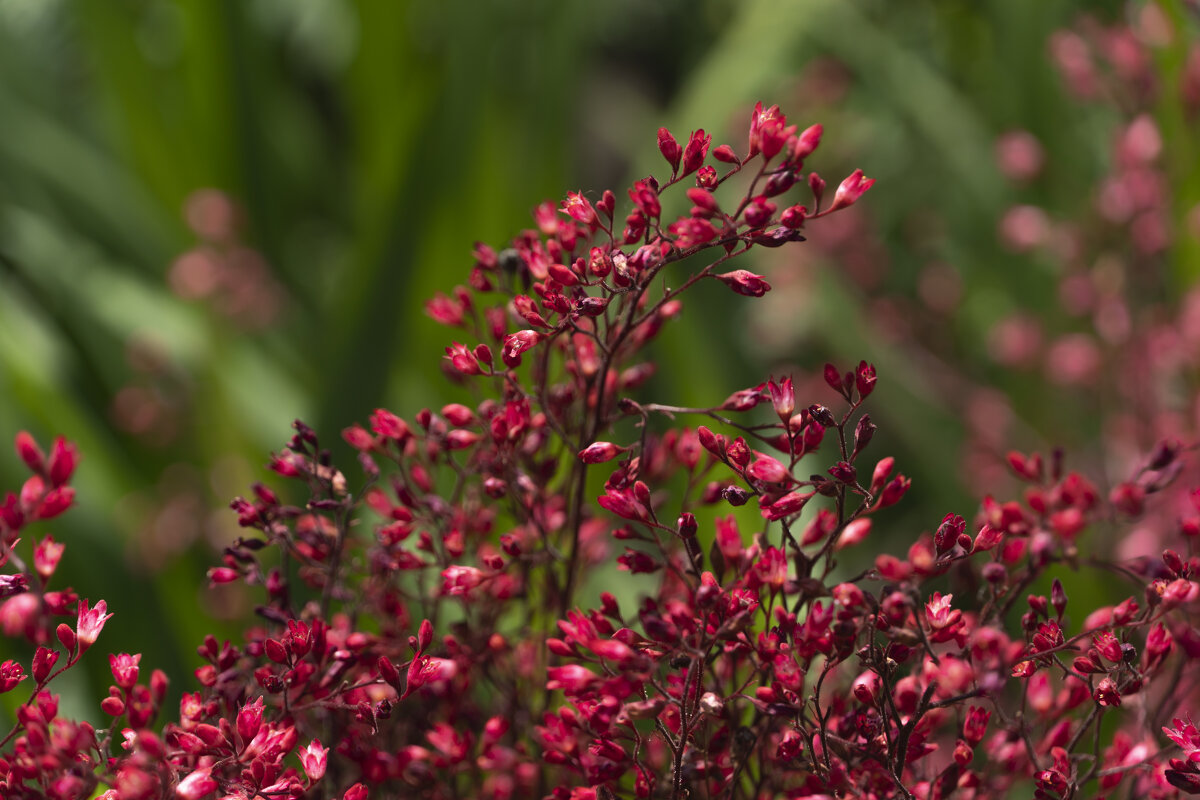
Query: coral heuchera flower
point(745, 282)
point(90, 623)
point(853, 187)
point(1187, 736)
point(742, 655)
point(313, 758)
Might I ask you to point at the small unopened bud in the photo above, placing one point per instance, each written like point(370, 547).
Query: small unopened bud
point(963, 753)
point(275, 651)
point(670, 149)
point(745, 283)
point(687, 525)
point(712, 442)
point(599, 452)
point(388, 671)
point(817, 184)
point(1175, 563)
point(66, 635)
point(43, 663)
point(865, 688)
point(864, 431)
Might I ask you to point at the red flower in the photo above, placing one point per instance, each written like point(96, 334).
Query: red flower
point(695, 151)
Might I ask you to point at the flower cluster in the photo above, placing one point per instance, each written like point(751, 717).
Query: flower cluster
point(448, 616)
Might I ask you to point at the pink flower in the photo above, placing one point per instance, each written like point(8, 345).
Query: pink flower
point(460, 580)
point(196, 785)
point(1187, 736)
point(517, 343)
point(462, 359)
point(428, 669)
point(46, 556)
point(90, 623)
point(945, 623)
point(599, 452)
point(852, 188)
point(124, 668)
point(313, 759)
point(572, 679)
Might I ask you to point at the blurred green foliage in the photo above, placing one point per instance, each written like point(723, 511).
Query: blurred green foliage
point(367, 144)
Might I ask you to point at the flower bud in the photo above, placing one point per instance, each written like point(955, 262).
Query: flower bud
point(850, 189)
point(695, 151)
point(670, 149)
point(249, 720)
point(66, 636)
point(866, 688)
point(1058, 597)
point(1174, 563)
point(745, 282)
point(30, 453)
point(686, 525)
point(817, 185)
point(599, 452)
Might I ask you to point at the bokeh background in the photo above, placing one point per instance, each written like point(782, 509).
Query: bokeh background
point(217, 216)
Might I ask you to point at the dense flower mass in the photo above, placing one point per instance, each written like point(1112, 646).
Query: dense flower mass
point(432, 624)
